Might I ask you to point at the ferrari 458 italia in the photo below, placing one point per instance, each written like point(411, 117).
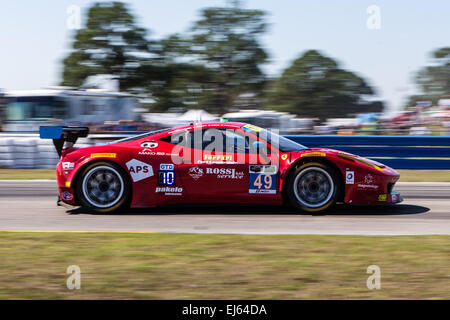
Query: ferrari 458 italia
point(214, 162)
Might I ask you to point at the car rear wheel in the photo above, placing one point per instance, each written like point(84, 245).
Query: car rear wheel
point(103, 187)
point(313, 187)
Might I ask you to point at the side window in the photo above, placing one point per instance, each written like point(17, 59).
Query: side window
point(180, 138)
point(217, 139)
point(212, 139)
point(256, 146)
point(237, 141)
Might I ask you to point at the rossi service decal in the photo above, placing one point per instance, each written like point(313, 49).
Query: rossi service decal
point(139, 170)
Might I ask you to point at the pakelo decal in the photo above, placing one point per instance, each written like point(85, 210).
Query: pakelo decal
point(139, 170)
point(170, 191)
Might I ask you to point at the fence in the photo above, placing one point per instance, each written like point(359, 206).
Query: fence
point(399, 152)
point(30, 152)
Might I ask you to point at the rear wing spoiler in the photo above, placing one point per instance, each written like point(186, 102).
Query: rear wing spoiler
point(60, 135)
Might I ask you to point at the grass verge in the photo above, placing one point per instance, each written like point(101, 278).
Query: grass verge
point(195, 266)
point(424, 175)
point(27, 174)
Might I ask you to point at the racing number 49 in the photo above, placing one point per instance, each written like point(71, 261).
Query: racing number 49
point(267, 181)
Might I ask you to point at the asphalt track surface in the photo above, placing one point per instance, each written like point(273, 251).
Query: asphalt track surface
point(31, 206)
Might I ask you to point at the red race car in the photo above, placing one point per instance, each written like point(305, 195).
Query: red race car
point(214, 162)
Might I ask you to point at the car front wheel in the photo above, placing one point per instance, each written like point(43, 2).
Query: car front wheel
point(313, 187)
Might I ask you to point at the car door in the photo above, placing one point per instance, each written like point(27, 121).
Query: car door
point(262, 166)
point(211, 171)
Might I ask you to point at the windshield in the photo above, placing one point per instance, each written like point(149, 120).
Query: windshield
point(34, 108)
point(283, 144)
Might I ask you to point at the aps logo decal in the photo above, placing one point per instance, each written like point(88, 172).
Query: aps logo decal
point(139, 170)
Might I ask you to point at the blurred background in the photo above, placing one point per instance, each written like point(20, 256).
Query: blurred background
point(341, 67)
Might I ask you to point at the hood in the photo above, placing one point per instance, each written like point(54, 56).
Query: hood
point(377, 166)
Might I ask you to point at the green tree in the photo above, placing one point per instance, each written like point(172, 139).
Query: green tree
point(111, 44)
point(314, 85)
point(181, 84)
point(434, 80)
point(222, 58)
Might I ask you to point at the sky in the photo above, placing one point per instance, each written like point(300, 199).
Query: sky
point(35, 38)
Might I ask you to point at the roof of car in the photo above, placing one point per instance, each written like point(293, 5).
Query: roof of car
point(212, 124)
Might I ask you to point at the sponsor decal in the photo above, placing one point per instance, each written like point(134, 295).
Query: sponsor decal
point(268, 169)
point(382, 197)
point(67, 184)
point(149, 144)
point(262, 179)
point(284, 156)
point(170, 191)
point(368, 186)
point(313, 154)
point(349, 177)
point(139, 170)
point(67, 196)
point(217, 157)
point(394, 197)
point(195, 172)
point(368, 179)
point(68, 165)
point(214, 162)
point(147, 152)
point(225, 173)
point(166, 174)
point(368, 183)
point(103, 155)
point(166, 166)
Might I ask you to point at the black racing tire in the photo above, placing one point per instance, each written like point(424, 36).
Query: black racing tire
point(313, 187)
point(103, 187)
